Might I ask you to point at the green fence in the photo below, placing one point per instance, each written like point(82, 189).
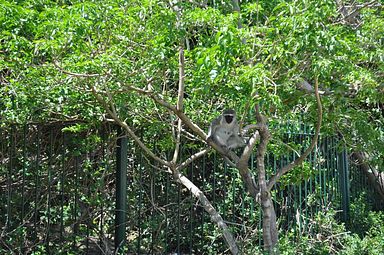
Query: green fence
point(61, 193)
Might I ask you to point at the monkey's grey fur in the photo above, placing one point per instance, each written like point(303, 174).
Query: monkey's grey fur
point(224, 131)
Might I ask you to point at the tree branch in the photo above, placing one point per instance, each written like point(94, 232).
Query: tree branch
point(300, 159)
point(243, 161)
point(308, 88)
point(244, 171)
point(85, 75)
point(245, 130)
point(215, 216)
point(187, 121)
point(179, 106)
point(236, 8)
point(375, 178)
point(127, 129)
point(270, 233)
point(193, 158)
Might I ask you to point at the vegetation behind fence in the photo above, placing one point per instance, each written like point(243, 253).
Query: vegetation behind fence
point(58, 190)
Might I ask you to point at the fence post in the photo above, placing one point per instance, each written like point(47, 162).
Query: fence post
point(121, 194)
point(344, 183)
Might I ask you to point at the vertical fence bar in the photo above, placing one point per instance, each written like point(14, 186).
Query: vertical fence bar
point(167, 218)
point(76, 202)
point(11, 151)
point(37, 182)
point(24, 173)
point(153, 212)
point(140, 203)
point(204, 164)
point(190, 223)
point(344, 183)
point(214, 179)
point(121, 193)
point(24, 164)
point(104, 166)
point(191, 214)
point(62, 181)
point(49, 186)
point(224, 189)
point(178, 231)
point(89, 184)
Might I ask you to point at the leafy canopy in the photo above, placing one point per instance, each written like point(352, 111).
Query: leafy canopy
point(130, 42)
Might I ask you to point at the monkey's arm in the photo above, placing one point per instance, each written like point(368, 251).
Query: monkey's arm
point(236, 140)
point(217, 135)
point(213, 128)
point(239, 137)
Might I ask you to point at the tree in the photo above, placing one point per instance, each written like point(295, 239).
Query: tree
point(58, 58)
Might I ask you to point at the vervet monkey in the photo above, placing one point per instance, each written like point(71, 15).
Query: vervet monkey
point(224, 131)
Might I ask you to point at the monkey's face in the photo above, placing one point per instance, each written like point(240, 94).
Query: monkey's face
point(228, 118)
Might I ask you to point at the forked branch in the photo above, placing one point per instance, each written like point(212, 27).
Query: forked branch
point(274, 179)
point(193, 158)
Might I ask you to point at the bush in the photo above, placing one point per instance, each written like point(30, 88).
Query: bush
point(322, 235)
point(367, 227)
point(364, 235)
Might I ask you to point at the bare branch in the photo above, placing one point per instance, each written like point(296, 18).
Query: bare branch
point(187, 121)
point(193, 158)
point(349, 13)
point(243, 162)
point(236, 8)
point(375, 178)
point(270, 233)
point(288, 146)
point(262, 147)
point(249, 127)
point(180, 95)
point(180, 98)
point(215, 216)
point(244, 171)
point(300, 159)
point(308, 88)
point(127, 129)
point(111, 102)
point(77, 74)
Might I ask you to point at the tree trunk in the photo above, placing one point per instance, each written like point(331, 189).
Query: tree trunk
point(375, 178)
point(270, 233)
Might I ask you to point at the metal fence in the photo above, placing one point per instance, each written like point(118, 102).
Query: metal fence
point(58, 194)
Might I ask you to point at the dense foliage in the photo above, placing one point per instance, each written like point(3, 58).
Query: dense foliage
point(128, 43)
point(53, 52)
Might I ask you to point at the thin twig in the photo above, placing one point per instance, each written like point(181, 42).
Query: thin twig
point(86, 75)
